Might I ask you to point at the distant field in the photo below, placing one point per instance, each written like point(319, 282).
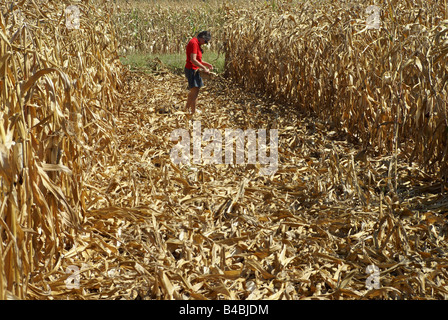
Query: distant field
point(161, 29)
point(166, 26)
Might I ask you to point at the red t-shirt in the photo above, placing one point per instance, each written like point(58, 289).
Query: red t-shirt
point(193, 47)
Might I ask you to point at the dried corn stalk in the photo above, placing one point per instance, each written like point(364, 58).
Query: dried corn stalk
point(386, 86)
point(150, 27)
point(58, 87)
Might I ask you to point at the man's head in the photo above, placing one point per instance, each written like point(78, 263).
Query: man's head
point(204, 37)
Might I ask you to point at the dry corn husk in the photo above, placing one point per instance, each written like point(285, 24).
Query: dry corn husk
point(310, 231)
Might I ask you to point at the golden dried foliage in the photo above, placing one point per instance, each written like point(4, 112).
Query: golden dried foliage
point(166, 26)
point(87, 182)
point(387, 86)
point(57, 90)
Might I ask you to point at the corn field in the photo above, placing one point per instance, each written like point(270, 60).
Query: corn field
point(166, 27)
point(385, 85)
point(58, 89)
point(93, 207)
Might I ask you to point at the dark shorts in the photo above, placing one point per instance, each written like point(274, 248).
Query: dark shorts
point(194, 78)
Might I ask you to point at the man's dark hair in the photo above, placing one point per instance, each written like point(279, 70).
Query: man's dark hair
point(205, 35)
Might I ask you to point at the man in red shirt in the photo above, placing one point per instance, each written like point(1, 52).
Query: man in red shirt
point(193, 66)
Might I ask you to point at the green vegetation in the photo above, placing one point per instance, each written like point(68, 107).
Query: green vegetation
point(174, 61)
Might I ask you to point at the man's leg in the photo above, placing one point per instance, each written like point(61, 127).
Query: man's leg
point(191, 99)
